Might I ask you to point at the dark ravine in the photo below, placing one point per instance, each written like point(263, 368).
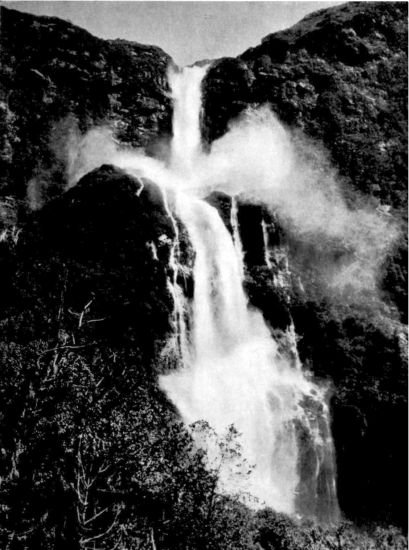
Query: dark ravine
point(340, 76)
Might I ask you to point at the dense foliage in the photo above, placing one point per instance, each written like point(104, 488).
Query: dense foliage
point(93, 457)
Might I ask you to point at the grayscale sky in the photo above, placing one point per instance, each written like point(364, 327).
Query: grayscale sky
point(188, 31)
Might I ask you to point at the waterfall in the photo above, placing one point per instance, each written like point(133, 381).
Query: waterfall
point(186, 142)
point(233, 377)
point(234, 371)
point(234, 222)
point(265, 244)
point(180, 332)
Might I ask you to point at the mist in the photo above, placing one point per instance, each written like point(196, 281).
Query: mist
point(264, 162)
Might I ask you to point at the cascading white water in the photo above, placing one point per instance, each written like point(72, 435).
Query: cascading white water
point(180, 336)
point(234, 222)
point(233, 372)
point(235, 376)
point(186, 142)
point(267, 259)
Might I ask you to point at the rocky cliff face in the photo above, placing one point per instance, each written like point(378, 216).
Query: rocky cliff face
point(56, 78)
point(92, 265)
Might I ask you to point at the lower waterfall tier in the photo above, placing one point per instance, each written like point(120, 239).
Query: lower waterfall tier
point(234, 374)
